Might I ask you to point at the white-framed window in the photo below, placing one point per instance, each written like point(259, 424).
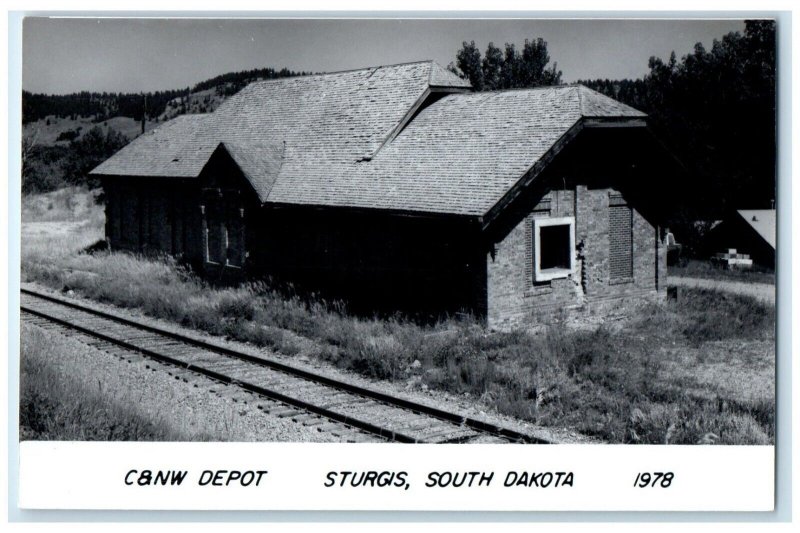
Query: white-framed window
point(554, 248)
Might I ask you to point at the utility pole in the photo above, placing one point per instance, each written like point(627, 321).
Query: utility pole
point(144, 112)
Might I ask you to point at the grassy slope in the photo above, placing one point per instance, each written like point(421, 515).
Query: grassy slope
point(706, 270)
point(46, 134)
point(668, 374)
point(58, 404)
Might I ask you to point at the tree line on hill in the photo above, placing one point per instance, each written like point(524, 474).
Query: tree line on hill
point(233, 82)
point(103, 106)
point(715, 110)
point(99, 106)
point(47, 167)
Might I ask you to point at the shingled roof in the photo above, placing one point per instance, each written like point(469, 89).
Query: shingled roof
point(762, 221)
point(372, 138)
point(171, 150)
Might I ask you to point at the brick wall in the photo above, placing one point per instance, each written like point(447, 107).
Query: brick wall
point(513, 296)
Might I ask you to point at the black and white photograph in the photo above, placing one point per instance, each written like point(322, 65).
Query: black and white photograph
point(399, 230)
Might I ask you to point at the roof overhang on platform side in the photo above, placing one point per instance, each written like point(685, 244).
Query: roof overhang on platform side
point(586, 152)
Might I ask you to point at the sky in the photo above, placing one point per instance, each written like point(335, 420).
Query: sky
point(132, 55)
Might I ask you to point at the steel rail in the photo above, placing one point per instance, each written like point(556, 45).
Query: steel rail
point(478, 425)
point(295, 402)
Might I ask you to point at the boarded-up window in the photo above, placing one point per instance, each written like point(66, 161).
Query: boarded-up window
point(235, 230)
point(129, 231)
point(159, 224)
point(115, 215)
point(620, 236)
point(143, 216)
point(217, 242)
point(178, 226)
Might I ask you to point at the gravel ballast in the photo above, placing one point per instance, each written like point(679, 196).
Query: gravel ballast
point(305, 359)
point(190, 410)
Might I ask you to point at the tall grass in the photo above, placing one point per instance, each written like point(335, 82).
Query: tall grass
point(613, 384)
point(55, 405)
point(705, 269)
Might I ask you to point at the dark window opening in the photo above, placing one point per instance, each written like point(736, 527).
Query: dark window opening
point(555, 247)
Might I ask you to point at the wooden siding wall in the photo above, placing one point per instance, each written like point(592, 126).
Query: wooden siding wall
point(143, 217)
point(376, 262)
point(159, 215)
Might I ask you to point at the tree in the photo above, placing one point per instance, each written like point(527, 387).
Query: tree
point(89, 151)
point(41, 165)
point(492, 67)
point(509, 72)
point(29, 142)
point(468, 60)
point(715, 109)
point(509, 69)
point(533, 71)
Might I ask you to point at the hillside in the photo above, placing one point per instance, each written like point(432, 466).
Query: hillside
point(55, 131)
point(64, 136)
point(155, 106)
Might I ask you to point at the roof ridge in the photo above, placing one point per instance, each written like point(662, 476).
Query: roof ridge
point(485, 95)
point(380, 66)
point(344, 71)
point(589, 99)
point(537, 88)
point(187, 115)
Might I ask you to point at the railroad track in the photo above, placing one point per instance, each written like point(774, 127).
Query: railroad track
point(353, 412)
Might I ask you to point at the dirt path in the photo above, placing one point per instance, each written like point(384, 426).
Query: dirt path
point(761, 291)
